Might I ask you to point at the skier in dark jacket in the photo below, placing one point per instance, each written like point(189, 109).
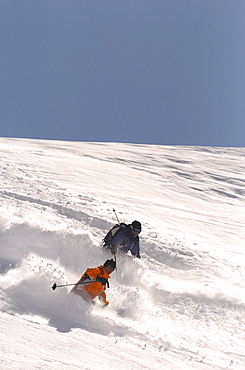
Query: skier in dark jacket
point(126, 239)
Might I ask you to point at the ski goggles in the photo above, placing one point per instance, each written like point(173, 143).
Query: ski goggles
point(137, 231)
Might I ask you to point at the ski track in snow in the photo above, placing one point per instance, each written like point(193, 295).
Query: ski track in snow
point(184, 299)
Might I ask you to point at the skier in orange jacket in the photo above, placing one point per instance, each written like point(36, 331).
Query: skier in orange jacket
point(94, 281)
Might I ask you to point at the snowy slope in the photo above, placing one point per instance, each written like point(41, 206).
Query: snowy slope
point(182, 306)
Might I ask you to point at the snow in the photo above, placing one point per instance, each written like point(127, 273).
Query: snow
point(181, 306)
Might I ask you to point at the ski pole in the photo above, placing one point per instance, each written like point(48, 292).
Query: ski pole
point(118, 221)
point(59, 286)
point(116, 215)
point(114, 254)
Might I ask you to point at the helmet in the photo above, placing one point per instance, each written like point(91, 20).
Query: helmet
point(111, 264)
point(136, 226)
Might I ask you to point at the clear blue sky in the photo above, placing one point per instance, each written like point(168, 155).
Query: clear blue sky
point(141, 71)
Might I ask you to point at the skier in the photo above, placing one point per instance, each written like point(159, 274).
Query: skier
point(124, 239)
point(94, 281)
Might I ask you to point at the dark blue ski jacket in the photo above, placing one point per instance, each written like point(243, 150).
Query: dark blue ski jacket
point(125, 241)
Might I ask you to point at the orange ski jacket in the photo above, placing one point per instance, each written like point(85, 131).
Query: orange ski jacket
point(94, 288)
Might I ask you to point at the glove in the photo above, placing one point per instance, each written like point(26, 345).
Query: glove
point(102, 280)
point(113, 249)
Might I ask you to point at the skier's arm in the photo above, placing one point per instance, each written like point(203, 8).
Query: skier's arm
point(135, 251)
